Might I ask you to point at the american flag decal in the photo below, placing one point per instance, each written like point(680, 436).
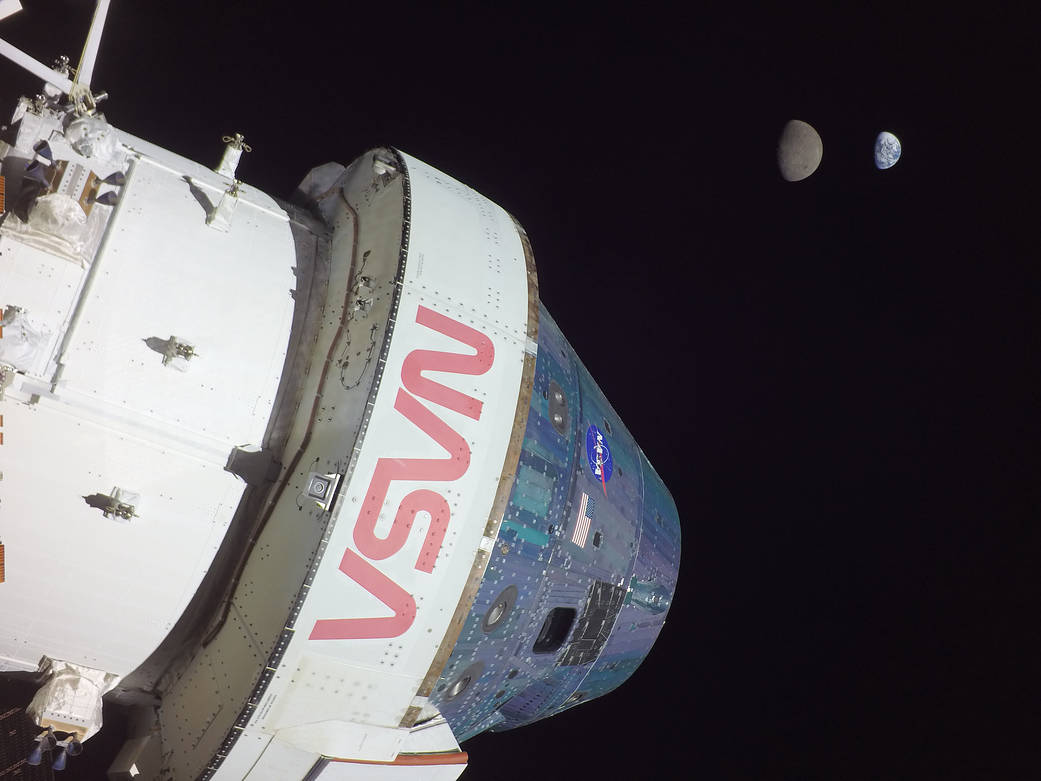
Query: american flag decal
point(585, 517)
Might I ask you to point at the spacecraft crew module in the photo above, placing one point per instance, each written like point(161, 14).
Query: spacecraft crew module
point(315, 489)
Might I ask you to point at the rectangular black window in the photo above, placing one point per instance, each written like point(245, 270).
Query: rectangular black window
point(554, 630)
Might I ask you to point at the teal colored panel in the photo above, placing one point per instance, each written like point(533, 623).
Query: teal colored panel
point(531, 496)
point(526, 533)
point(527, 474)
point(535, 446)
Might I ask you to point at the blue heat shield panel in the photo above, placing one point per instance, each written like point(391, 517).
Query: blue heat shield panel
point(588, 552)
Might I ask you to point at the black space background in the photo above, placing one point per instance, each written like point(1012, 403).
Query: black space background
point(838, 379)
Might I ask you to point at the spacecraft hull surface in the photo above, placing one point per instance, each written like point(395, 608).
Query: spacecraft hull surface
point(314, 489)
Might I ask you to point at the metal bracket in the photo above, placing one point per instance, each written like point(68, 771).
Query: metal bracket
point(322, 488)
point(177, 350)
point(220, 216)
point(120, 504)
point(120, 510)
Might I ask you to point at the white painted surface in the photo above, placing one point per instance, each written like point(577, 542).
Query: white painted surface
point(85, 71)
point(45, 286)
point(345, 738)
point(249, 748)
point(166, 274)
point(466, 262)
point(8, 7)
point(34, 66)
point(430, 738)
point(350, 771)
point(281, 762)
point(119, 418)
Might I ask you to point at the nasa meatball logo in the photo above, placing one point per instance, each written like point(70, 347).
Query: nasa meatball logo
point(599, 454)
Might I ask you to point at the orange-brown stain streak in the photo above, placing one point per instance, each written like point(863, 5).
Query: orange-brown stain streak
point(454, 758)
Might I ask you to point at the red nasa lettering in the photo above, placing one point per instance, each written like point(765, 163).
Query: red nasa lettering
point(359, 568)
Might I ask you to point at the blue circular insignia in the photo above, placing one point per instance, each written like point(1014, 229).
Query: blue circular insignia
point(599, 454)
